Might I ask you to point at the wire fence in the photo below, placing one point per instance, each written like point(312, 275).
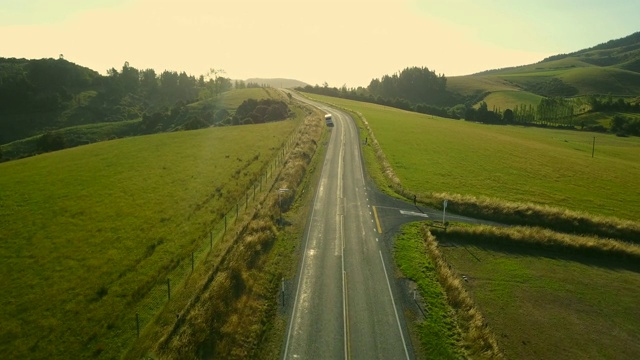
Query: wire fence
point(121, 335)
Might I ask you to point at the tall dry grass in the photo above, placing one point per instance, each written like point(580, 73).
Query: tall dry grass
point(534, 237)
point(528, 214)
point(477, 336)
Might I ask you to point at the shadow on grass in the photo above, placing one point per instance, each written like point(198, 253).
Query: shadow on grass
point(589, 257)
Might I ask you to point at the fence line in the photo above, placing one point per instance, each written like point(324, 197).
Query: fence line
point(120, 337)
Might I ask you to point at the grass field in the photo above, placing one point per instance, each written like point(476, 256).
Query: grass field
point(598, 80)
point(231, 99)
point(510, 99)
point(586, 78)
point(85, 231)
point(544, 304)
point(520, 164)
point(474, 84)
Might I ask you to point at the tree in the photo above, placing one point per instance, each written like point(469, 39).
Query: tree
point(129, 78)
point(220, 115)
point(618, 124)
point(470, 114)
point(217, 83)
point(507, 116)
point(414, 84)
point(195, 123)
point(50, 142)
point(149, 82)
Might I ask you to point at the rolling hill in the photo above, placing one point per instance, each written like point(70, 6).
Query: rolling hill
point(611, 68)
point(277, 82)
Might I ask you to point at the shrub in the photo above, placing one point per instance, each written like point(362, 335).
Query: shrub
point(50, 142)
point(195, 124)
point(220, 115)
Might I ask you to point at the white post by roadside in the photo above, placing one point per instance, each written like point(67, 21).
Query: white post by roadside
point(444, 210)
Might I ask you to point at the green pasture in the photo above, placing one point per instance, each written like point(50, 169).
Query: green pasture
point(543, 67)
point(477, 84)
point(85, 232)
point(520, 164)
point(603, 118)
point(510, 99)
point(603, 80)
point(543, 306)
point(587, 78)
point(231, 99)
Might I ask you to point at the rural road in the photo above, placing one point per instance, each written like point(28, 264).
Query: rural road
point(346, 304)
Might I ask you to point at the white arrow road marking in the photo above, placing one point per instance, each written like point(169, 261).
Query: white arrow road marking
point(413, 213)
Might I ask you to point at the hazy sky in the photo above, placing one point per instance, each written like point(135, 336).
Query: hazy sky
point(337, 41)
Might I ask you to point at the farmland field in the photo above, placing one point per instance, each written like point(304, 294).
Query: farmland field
point(230, 100)
point(545, 305)
point(85, 231)
point(503, 100)
point(520, 164)
point(472, 84)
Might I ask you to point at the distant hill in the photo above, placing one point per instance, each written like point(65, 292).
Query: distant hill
point(33, 94)
point(278, 83)
point(50, 104)
point(43, 95)
point(609, 68)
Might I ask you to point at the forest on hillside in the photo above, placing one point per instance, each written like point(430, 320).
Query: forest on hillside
point(41, 97)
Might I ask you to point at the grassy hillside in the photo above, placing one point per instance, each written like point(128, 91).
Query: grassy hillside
point(542, 166)
point(86, 232)
point(478, 84)
point(231, 99)
point(510, 99)
point(277, 82)
point(610, 68)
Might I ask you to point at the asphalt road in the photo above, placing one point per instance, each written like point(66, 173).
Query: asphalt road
point(345, 304)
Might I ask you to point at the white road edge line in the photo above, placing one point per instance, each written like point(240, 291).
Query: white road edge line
point(404, 344)
point(344, 300)
point(295, 302)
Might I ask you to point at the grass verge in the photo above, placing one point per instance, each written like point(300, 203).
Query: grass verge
point(478, 338)
point(438, 332)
